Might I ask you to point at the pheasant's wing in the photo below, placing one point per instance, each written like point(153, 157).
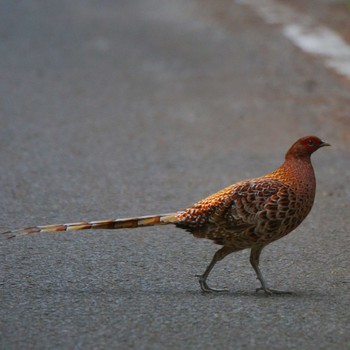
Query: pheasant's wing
point(237, 212)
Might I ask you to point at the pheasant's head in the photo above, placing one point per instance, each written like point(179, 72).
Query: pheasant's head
point(304, 147)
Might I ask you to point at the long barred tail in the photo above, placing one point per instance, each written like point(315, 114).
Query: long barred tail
point(151, 220)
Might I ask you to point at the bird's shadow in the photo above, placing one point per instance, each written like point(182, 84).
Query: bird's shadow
point(121, 291)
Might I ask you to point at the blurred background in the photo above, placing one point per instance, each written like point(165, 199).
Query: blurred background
point(122, 108)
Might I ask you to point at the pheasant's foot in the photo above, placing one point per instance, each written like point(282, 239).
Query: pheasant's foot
point(205, 287)
point(272, 291)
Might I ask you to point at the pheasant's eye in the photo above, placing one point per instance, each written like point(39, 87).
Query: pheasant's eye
point(310, 143)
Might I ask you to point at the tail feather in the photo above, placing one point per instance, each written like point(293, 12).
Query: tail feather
point(141, 221)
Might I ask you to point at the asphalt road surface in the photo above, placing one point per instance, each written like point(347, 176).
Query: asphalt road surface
point(120, 108)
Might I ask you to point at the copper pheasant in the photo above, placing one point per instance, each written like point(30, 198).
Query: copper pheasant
point(249, 214)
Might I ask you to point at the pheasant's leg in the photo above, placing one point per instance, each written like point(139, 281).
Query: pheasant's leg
point(254, 260)
point(219, 255)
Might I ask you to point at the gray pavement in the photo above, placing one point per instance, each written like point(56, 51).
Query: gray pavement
point(118, 108)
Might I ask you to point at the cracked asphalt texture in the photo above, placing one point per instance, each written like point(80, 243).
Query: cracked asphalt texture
point(120, 108)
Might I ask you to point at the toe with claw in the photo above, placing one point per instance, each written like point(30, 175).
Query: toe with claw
point(204, 286)
point(272, 291)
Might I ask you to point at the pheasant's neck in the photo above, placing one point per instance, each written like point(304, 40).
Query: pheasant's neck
point(299, 173)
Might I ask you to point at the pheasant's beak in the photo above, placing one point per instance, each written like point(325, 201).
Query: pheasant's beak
point(322, 144)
